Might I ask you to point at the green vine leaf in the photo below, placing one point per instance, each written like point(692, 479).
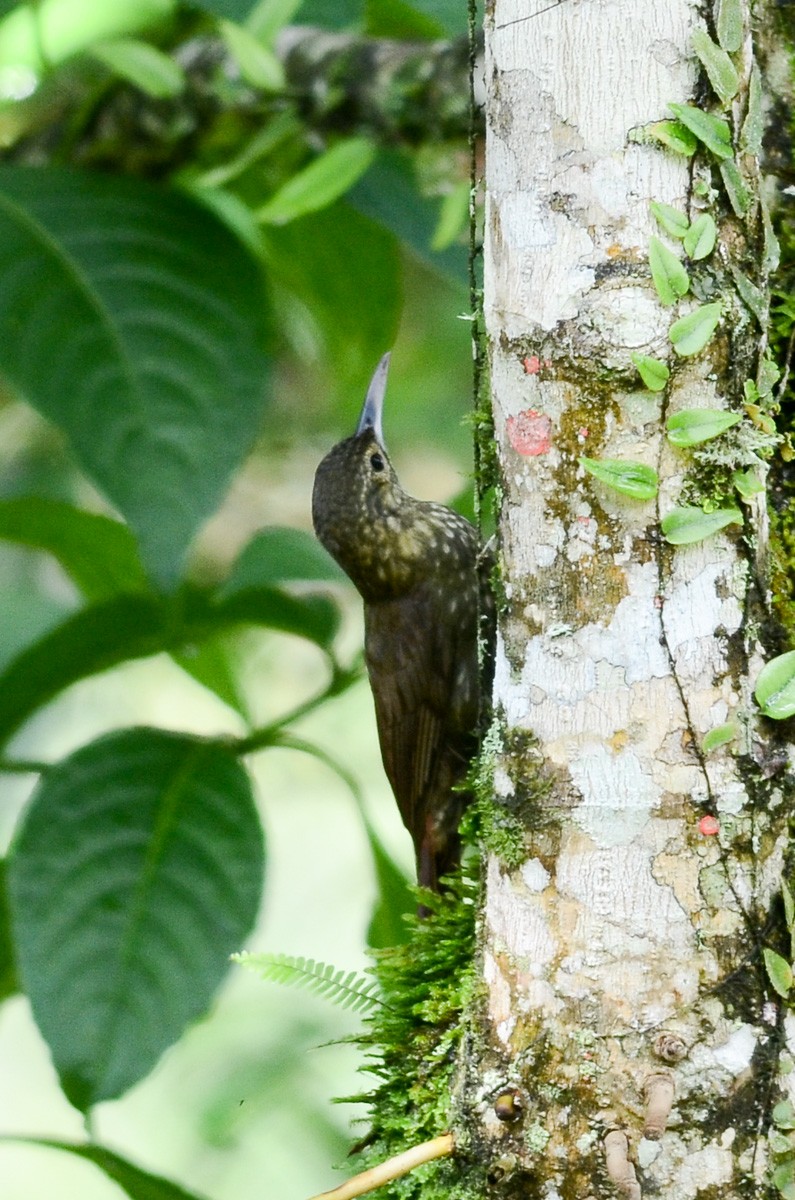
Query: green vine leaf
point(719, 736)
point(346, 989)
point(754, 124)
point(771, 250)
point(720, 69)
point(701, 236)
point(675, 135)
point(692, 426)
point(691, 333)
point(779, 972)
point(783, 1177)
point(670, 278)
point(752, 298)
point(632, 479)
point(769, 375)
point(672, 220)
point(748, 484)
point(783, 1114)
point(736, 190)
point(730, 25)
point(653, 372)
point(780, 1143)
point(775, 687)
point(683, 526)
point(789, 905)
point(713, 132)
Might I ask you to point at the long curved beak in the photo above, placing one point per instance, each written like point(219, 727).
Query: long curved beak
point(373, 408)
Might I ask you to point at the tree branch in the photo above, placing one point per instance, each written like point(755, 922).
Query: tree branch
point(398, 92)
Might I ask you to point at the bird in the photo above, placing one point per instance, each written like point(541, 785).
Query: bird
point(424, 580)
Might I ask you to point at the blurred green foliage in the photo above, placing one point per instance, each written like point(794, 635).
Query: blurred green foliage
point(168, 303)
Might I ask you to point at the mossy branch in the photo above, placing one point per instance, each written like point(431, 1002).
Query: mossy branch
point(392, 1168)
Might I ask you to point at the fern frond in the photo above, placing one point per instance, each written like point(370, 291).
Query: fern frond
point(346, 989)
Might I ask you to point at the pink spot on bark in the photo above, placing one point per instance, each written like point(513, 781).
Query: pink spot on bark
point(708, 825)
point(530, 432)
point(531, 364)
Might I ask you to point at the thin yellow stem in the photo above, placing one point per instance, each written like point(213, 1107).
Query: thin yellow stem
point(393, 1168)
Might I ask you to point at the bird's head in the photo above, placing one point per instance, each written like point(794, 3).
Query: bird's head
point(359, 510)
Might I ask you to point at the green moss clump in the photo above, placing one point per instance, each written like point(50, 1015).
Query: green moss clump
point(413, 1037)
point(501, 825)
point(487, 824)
point(782, 490)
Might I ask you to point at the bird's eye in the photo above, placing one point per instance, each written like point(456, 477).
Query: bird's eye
point(376, 462)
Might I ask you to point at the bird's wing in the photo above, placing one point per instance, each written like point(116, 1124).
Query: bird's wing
point(424, 684)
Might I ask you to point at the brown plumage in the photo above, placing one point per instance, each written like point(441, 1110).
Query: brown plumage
point(418, 568)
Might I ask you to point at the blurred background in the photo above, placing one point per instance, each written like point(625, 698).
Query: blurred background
point(243, 1105)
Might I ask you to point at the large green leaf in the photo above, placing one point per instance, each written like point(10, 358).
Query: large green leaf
point(85, 643)
point(331, 14)
point(27, 611)
point(402, 21)
point(127, 627)
point(8, 973)
point(98, 554)
point(389, 194)
point(345, 270)
point(395, 898)
point(214, 663)
point(137, 1183)
point(451, 14)
point(231, 10)
point(133, 319)
point(423, 18)
point(151, 845)
point(279, 554)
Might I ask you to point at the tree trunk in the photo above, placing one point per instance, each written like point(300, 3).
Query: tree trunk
point(622, 958)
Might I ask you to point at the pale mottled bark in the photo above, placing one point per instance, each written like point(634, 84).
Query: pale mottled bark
point(626, 950)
